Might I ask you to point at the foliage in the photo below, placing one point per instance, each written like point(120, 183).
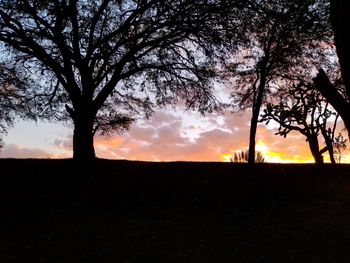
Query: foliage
point(340, 144)
point(242, 157)
point(283, 37)
point(107, 62)
point(15, 101)
point(123, 48)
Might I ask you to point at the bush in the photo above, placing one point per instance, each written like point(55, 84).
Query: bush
point(242, 157)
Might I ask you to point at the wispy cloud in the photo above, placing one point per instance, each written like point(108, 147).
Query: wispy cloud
point(169, 137)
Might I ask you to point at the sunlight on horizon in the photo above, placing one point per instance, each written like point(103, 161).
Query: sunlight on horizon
point(275, 157)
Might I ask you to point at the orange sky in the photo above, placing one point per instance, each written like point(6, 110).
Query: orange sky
point(169, 135)
point(197, 138)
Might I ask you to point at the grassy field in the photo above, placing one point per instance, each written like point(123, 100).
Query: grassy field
point(138, 212)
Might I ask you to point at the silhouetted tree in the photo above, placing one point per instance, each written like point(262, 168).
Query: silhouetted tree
point(107, 61)
point(340, 10)
point(340, 144)
point(303, 109)
point(282, 35)
point(339, 19)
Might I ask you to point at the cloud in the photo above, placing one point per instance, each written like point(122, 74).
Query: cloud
point(16, 151)
point(170, 137)
point(65, 143)
point(142, 133)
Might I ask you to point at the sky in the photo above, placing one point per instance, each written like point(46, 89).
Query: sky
point(169, 135)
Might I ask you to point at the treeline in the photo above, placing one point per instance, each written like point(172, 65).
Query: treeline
point(103, 64)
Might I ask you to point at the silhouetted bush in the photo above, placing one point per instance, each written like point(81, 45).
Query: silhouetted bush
point(242, 157)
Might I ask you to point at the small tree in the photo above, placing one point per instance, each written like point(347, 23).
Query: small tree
point(340, 144)
point(282, 35)
point(304, 110)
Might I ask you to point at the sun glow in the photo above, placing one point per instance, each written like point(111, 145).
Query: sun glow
point(261, 147)
point(269, 155)
point(273, 157)
point(226, 158)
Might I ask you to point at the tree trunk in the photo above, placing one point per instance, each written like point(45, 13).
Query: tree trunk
point(252, 135)
point(83, 138)
point(340, 23)
point(339, 19)
point(315, 149)
point(331, 155)
point(329, 144)
point(255, 117)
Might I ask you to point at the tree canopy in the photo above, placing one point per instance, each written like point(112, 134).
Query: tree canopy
point(105, 62)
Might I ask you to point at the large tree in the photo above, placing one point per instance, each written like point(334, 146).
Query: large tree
point(106, 61)
point(282, 35)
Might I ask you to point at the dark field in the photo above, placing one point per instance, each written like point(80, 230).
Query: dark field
point(129, 212)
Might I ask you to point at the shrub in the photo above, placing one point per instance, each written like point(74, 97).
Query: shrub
point(242, 157)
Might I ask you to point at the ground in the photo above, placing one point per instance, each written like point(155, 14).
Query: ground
point(138, 212)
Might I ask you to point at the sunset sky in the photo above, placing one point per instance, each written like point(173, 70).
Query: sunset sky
point(144, 48)
point(169, 135)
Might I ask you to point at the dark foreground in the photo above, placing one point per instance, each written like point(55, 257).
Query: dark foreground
point(134, 212)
